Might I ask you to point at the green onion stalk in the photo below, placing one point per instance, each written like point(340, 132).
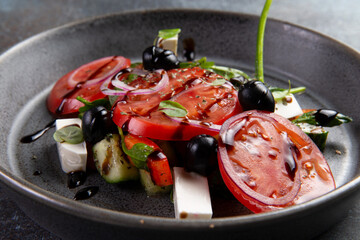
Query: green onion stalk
point(259, 62)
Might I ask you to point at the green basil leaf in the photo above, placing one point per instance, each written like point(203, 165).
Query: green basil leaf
point(169, 33)
point(338, 120)
point(187, 64)
point(228, 73)
point(139, 153)
point(99, 102)
point(172, 109)
point(131, 77)
point(202, 63)
point(70, 134)
point(280, 93)
point(219, 82)
point(308, 118)
point(135, 64)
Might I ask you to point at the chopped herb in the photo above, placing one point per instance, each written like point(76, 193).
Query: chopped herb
point(136, 64)
point(219, 82)
point(99, 102)
point(202, 63)
point(131, 77)
point(312, 119)
point(139, 152)
point(70, 134)
point(280, 93)
point(228, 73)
point(169, 33)
point(172, 109)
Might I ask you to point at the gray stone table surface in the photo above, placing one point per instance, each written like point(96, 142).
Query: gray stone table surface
point(20, 19)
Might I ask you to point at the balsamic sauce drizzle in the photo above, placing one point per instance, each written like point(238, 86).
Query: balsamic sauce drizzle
point(35, 136)
point(86, 193)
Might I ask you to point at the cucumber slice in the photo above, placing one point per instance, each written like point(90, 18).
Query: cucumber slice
point(111, 162)
point(149, 186)
point(317, 133)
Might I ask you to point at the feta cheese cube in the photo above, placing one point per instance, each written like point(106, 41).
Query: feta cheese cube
point(169, 44)
point(288, 107)
point(191, 195)
point(73, 157)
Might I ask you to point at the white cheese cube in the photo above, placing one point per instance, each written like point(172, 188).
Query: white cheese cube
point(288, 107)
point(191, 195)
point(169, 44)
point(72, 156)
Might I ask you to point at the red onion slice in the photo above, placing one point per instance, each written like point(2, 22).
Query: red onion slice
point(72, 83)
point(107, 91)
point(120, 84)
point(131, 90)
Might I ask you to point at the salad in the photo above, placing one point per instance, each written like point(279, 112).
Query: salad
point(175, 124)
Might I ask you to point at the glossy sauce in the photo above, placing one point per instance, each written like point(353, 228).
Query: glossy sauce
point(86, 193)
point(80, 84)
point(35, 136)
point(189, 49)
point(76, 179)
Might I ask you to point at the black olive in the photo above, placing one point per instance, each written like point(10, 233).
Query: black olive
point(254, 95)
point(201, 156)
point(96, 123)
point(158, 58)
point(325, 116)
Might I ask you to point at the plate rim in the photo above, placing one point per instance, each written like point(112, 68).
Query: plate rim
point(71, 207)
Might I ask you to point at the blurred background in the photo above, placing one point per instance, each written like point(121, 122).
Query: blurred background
point(20, 19)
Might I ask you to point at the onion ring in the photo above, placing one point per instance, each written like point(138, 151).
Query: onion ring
point(128, 90)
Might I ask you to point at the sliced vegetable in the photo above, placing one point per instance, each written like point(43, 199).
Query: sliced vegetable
point(149, 186)
point(268, 163)
point(317, 133)
point(145, 154)
point(136, 82)
point(111, 162)
point(85, 82)
point(192, 88)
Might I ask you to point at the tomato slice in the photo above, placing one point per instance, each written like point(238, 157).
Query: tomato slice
point(193, 88)
point(157, 162)
point(268, 163)
point(85, 82)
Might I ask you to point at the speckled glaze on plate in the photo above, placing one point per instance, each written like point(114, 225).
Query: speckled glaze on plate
point(328, 69)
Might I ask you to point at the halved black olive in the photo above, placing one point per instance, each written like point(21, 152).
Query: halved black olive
point(158, 58)
point(254, 95)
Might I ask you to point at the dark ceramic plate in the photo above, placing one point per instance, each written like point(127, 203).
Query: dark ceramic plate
point(329, 70)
